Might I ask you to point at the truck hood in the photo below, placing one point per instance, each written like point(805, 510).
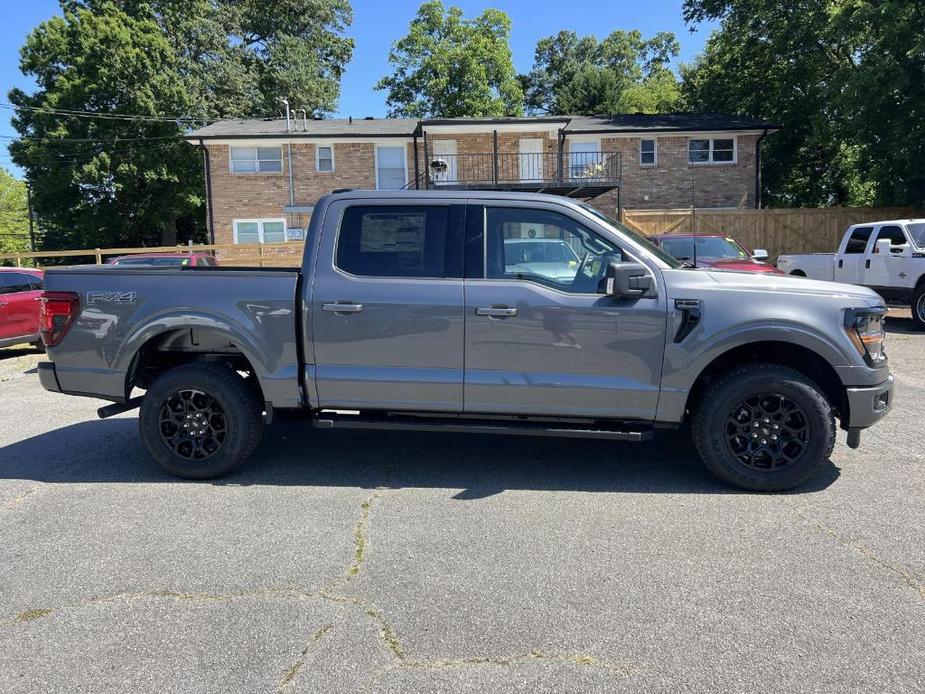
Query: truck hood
point(770, 282)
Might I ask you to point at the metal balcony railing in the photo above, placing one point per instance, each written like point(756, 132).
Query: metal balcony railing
point(529, 171)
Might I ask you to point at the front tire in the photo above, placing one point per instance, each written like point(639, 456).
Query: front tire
point(764, 427)
point(918, 307)
point(200, 421)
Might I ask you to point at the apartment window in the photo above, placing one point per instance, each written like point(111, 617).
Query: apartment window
point(325, 159)
point(711, 150)
point(256, 159)
point(395, 241)
point(259, 230)
point(391, 171)
point(647, 153)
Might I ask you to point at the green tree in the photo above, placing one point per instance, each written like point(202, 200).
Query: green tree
point(100, 181)
point(448, 66)
point(622, 73)
point(109, 181)
point(14, 215)
point(844, 79)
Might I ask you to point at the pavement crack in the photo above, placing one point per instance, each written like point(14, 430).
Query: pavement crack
point(297, 666)
point(562, 658)
point(166, 594)
point(861, 549)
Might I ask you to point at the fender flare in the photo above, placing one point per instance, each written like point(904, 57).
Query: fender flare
point(167, 322)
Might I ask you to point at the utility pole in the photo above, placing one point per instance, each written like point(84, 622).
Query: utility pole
point(31, 221)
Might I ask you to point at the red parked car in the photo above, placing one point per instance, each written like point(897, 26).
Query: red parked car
point(714, 251)
point(20, 289)
point(165, 260)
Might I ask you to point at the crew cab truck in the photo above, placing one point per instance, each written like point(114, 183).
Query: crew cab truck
point(408, 314)
point(888, 257)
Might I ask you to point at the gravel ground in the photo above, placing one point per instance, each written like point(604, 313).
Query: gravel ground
point(389, 562)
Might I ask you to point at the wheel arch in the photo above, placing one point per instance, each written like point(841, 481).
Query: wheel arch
point(176, 346)
point(798, 357)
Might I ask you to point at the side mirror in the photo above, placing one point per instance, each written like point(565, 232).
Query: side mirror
point(759, 254)
point(625, 280)
point(882, 247)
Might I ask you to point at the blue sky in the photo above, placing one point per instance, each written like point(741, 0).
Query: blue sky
point(377, 23)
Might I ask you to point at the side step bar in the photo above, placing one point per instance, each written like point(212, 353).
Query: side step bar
point(585, 430)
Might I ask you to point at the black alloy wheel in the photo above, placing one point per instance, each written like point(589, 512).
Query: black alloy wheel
point(768, 431)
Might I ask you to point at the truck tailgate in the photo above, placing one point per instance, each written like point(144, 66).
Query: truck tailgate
point(122, 309)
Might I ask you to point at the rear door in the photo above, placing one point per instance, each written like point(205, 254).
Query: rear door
point(19, 308)
point(387, 306)
point(542, 340)
point(849, 265)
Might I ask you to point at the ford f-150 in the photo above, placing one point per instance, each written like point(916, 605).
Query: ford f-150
point(407, 313)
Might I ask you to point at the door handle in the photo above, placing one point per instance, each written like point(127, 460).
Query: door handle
point(841, 263)
point(337, 307)
point(867, 264)
point(496, 311)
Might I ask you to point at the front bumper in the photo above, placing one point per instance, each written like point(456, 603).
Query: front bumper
point(47, 376)
point(867, 405)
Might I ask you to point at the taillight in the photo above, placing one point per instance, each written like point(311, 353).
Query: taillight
point(56, 314)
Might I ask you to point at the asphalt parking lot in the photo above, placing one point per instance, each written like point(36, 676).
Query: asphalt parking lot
point(388, 562)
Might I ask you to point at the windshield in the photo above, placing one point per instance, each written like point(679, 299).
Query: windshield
point(666, 258)
point(516, 251)
point(157, 262)
point(917, 231)
point(706, 247)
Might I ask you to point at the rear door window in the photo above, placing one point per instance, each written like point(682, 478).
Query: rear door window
point(395, 241)
point(12, 282)
point(858, 240)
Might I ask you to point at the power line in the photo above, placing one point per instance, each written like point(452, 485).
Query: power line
point(28, 138)
point(106, 116)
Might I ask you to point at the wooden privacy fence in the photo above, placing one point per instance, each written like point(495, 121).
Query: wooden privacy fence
point(285, 254)
point(801, 230)
point(779, 231)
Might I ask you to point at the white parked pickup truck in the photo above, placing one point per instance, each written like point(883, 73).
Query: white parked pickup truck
point(888, 257)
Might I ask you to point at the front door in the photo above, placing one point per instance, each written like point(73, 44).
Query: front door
point(445, 151)
point(386, 321)
point(889, 270)
point(531, 159)
point(540, 337)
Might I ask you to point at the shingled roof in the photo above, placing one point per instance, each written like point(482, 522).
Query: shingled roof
point(406, 127)
point(326, 127)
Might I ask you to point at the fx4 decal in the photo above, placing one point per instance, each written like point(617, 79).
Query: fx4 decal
point(110, 298)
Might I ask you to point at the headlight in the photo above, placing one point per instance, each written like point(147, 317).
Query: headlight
point(865, 330)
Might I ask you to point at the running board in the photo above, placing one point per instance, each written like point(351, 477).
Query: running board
point(327, 420)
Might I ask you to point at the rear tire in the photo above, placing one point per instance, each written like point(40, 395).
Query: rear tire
point(200, 421)
point(918, 307)
point(764, 427)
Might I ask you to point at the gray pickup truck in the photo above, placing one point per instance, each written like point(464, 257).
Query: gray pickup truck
point(435, 311)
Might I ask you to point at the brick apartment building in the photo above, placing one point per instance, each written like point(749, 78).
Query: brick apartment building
point(264, 176)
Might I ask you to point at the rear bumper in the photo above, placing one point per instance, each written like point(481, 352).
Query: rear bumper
point(47, 376)
point(869, 404)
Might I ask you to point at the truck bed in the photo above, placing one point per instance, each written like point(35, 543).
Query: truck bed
point(125, 309)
